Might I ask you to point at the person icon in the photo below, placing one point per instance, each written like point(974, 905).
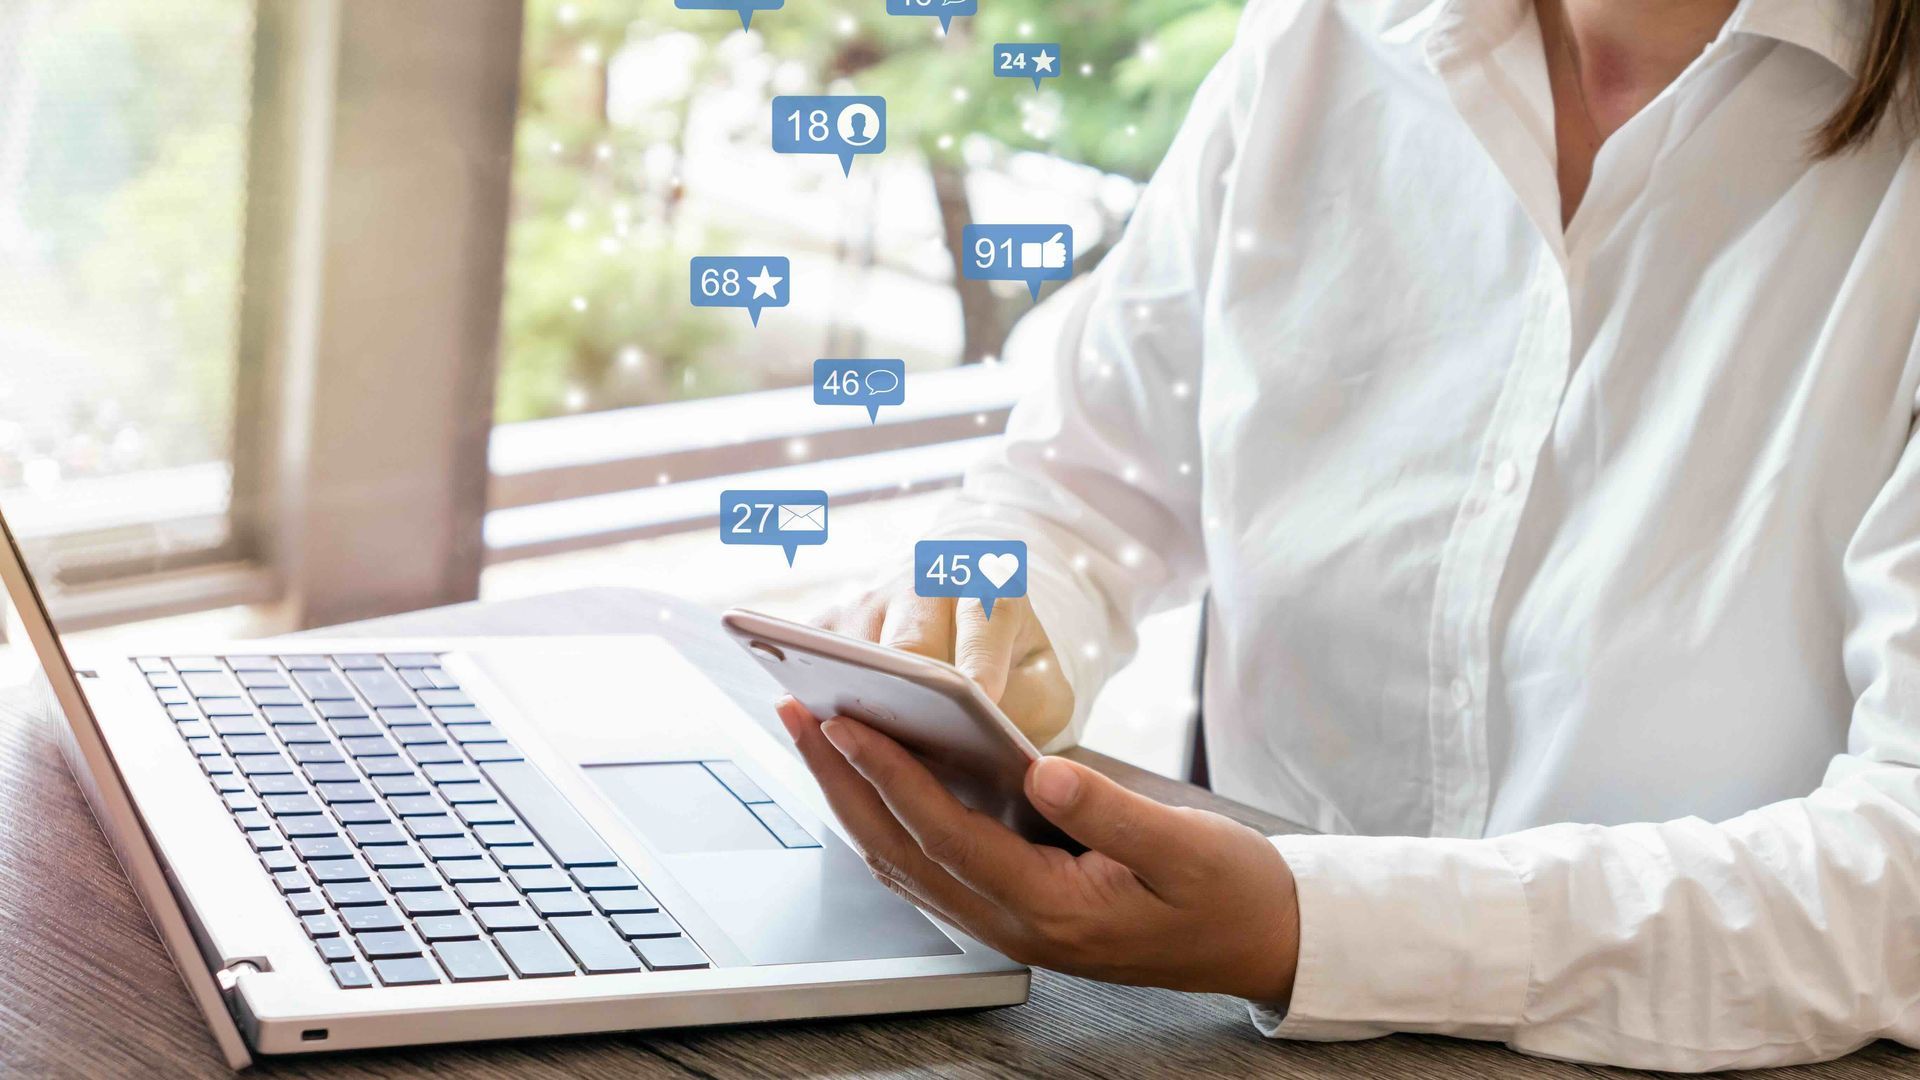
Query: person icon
point(858, 124)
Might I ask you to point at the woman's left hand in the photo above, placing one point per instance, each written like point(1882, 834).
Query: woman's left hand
point(1165, 896)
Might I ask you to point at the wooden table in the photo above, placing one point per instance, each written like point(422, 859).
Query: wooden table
point(87, 991)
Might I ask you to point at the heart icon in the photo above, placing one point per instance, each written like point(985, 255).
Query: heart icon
point(999, 569)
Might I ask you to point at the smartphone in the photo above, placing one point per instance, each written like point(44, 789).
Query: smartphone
point(938, 714)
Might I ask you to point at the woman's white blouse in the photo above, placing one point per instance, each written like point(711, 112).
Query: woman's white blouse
point(1570, 581)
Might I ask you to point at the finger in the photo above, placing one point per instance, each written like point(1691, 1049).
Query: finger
point(889, 849)
point(983, 854)
point(860, 619)
point(1150, 838)
point(983, 647)
point(917, 625)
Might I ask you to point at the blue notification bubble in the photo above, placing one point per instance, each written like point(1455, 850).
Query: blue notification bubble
point(944, 10)
point(987, 570)
point(773, 518)
point(746, 8)
point(839, 124)
point(1029, 253)
point(1026, 59)
point(753, 282)
point(871, 383)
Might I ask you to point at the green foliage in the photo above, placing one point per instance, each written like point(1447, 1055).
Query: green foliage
point(1146, 57)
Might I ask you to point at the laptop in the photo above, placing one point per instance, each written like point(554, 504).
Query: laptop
point(364, 842)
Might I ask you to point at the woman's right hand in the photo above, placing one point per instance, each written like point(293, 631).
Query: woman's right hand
point(1008, 655)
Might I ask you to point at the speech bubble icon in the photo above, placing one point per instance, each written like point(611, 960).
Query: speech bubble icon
point(867, 383)
point(842, 125)
point(745, 8)
point(773, 517)
point(1030, 253)
point(754, 282)
point(944, 10)
point(1026, 59)
point(987, 570)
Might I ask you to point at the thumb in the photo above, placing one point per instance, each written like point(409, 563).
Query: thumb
point(1057, 237)
point(1143, 835)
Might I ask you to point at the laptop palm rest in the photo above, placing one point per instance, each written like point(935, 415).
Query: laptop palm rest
point(779, 904)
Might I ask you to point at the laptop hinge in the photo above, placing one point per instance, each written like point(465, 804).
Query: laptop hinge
point(228, 977)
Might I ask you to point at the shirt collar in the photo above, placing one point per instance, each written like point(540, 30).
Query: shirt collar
point(1834, 29)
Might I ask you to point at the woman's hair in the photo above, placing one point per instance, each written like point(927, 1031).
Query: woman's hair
point(1889, 84)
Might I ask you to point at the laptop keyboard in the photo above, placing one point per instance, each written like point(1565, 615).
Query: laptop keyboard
point(409, 836)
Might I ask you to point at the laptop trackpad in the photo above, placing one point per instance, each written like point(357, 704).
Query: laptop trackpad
point(779, 904)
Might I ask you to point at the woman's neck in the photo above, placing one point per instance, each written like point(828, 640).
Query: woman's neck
point(1606, 59)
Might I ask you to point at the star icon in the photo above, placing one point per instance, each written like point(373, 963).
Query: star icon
point(1043, 61)
point(764, 283)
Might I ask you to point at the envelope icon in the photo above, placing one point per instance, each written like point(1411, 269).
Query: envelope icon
point(803, 517)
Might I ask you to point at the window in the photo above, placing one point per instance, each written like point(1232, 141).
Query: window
point(123, 173)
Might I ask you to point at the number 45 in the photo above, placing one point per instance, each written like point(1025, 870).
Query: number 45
point(960, 570)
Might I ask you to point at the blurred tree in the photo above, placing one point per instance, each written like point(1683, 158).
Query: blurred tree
point(1130, 69)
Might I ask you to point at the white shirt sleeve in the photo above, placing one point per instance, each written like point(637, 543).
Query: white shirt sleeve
point(1100, 471)
point(1787, 934)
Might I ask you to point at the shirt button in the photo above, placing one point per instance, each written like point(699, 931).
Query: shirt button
point(1462, 693)
point(1506, 477)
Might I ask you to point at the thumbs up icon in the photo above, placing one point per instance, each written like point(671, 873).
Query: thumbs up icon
point(1048, 255)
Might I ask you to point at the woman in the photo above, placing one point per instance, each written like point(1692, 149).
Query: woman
point(1533, 387)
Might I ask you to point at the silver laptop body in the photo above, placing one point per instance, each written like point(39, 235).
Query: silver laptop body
point(610, 786)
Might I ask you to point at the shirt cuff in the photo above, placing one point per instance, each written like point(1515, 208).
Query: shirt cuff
point(1403, 934)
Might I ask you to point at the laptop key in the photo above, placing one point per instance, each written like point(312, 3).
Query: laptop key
point(460, 714)
point(393, 856)
point(370, 835)
point(404, 784)
point(417, 678)
point(266, 840)
point(469, 961)
point(469, 734)
point(335, 948)
point(468, 870)
point(360, 813)
point(406, 716)
point(444, 697)
point(428, 903)
point(451, 847)
point(488, 893)
point(368, 746)
point(434, 753)
point(323, 847)
point(445, 928)
point(340, 710)
point(236, 725)
point(542, 880)
point(152, 664)
point(263, 680)
point(306, 903)
point(351, 975)
point(414, 659)
point(516, 917)
point(389, 943)
point(257, 764)
point(385, 765)
point(274, 695)
point(522, 858)
point(401, 879)
point(345, 793)
point(348, 894)
point(188, 719)
point(407, 971)
point(313, 753)
point(535, 953)
point(338, 870)
point(503, 835)
point(277, 784)
point(407, 806)
point(417, 735)
point(605, 877)
point(461, 792)
point(282, 859)
point(670, 954)
point(323, 685)
point(451, 773)
point(172, 695)
point(293, 881)
point(547, 812)
point(595, 945)
point(647, 924)
point(560, 903)
point(490, 752)
point(297, 825)
point(251, 663)
point(487, 813)
point(330, 772)
point(302, 734)
point(373, 918)
point(623, 901)
point(382, 688)
point(434, 825)
point(287, 714)
point(286, 805)
point(305, 663)
point(355, 661)
point(251, 820)
point(209, 684)
point(355, 728)
point(245, 744)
